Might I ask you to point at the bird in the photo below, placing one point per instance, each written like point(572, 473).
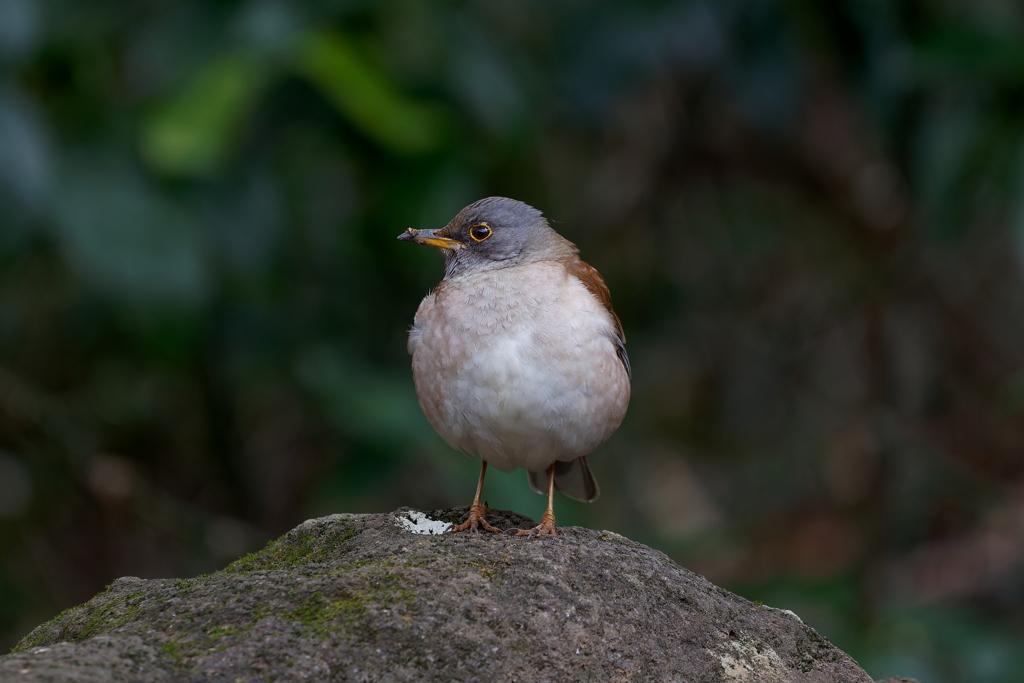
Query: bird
point(518, 357)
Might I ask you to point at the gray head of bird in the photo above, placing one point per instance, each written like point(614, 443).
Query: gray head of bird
point(496, 232)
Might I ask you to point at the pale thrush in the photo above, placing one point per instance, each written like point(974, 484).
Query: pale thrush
point(517, 355)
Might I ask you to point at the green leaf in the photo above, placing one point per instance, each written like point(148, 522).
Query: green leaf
point(365, 95)
point(192, 133)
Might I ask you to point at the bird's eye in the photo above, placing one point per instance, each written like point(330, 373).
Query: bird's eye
point(480, 232)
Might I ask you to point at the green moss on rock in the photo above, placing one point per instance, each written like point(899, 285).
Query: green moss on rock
point(357, 597)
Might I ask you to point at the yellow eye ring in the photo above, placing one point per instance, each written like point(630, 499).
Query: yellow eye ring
point(480, 232)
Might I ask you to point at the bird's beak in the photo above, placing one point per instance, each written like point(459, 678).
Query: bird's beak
point(430, 238)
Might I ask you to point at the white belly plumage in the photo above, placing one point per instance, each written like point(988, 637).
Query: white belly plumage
point(538, 382)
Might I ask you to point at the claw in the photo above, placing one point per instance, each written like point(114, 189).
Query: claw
point(545, 528)
point(475, 521)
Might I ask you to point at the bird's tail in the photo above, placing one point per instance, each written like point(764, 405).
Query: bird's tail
point(572, 478)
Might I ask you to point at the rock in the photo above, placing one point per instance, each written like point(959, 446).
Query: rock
point(367, 598)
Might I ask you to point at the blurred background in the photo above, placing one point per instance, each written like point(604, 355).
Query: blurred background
point(810, 214)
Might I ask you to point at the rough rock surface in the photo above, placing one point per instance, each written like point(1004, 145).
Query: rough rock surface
point(366, 598)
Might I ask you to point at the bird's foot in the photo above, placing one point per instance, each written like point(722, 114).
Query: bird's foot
point(545, 528)
point(475, 522)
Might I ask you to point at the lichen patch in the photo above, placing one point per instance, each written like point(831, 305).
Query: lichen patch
point(417, 522)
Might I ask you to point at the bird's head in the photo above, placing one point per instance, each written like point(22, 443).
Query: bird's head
point(491, 233)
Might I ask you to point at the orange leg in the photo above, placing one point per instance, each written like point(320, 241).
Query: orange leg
point(476, 510)
point(547, 520)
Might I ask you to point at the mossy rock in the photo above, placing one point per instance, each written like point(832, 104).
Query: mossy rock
point(364, 598)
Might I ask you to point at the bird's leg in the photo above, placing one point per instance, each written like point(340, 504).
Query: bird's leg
point(476, 510)
point(547, 520)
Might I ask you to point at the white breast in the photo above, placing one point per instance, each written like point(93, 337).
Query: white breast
point(519, 366)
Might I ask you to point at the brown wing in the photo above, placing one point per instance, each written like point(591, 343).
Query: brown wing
point(588, 275)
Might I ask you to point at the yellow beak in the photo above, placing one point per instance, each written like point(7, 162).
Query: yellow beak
point(430, 238)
